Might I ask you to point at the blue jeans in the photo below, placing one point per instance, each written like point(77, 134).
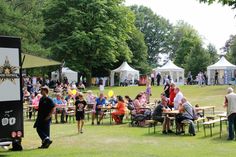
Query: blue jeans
point(232, 125)
point(43, 130)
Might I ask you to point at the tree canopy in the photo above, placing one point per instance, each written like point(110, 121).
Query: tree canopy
point(90, 35)
point(157, 32)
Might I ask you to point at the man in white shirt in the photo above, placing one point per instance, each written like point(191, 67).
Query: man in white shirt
point(178, 98)
point(230, 104)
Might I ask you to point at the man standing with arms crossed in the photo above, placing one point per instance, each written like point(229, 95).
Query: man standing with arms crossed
point(230, 104)
point(43, 121)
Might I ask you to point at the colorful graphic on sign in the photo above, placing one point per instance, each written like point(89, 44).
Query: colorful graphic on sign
point(8, 72)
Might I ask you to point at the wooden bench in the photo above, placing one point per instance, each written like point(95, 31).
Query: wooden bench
point(211, 123)
point(151, 123)
point(186, 122)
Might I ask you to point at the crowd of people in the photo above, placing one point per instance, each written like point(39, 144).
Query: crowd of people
point(73, 98)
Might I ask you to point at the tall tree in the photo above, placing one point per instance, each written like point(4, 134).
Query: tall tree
point(157, 32)
point(230, 49)
point(90, 35)
point(185, 39)
point(23, 18)
point(197, 60)
point(139, 50)
point(231, 3)
point(213, 53)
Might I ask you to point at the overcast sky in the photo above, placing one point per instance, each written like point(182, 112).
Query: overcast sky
point(215, 23)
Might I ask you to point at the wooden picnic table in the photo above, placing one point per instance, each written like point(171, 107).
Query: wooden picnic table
point(203, 108)
point(108, 108)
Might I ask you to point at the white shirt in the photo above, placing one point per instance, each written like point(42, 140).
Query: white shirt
point(152, 75)
point(177, 100)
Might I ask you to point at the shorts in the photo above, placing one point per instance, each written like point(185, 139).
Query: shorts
point(79, 116)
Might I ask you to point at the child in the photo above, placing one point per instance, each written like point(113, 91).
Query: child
point(80, 104)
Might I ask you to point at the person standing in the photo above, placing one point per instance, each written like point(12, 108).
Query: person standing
point(216, 77)
point(230, 104)
point(167, 88)
point(80, 105)
point(178, 98)
point(158, 78)
point(43, 121)
point(148, 92)
point(152, 79)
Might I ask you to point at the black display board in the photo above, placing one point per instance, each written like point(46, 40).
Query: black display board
point(11, 104)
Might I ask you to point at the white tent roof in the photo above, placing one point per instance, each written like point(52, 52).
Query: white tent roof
point(169, 66)
point(124, 67)
point(222, 64)
point(67, 70)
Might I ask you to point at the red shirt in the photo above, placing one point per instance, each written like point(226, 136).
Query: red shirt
point(172, 96)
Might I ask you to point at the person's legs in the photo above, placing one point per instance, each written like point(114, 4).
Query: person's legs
point(56, 116)
point(78, 125)
point(101, 117)
point(81, 126)
point(62, 115)
point(231, 127)
point(115, 117)
point(93, 117)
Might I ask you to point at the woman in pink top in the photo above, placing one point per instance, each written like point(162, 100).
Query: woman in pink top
point(35, 101)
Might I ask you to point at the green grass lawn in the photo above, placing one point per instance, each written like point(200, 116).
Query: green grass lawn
point(121, 140)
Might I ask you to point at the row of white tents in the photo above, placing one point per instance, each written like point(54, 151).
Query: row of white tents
point(226, 71)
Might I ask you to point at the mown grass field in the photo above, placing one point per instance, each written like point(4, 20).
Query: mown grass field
point(124, 141)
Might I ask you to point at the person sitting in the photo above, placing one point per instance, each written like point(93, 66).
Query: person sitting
point(60, 107)
point(35, 101)
point(157, 115)
point(112, 101)
point(186, 110)
point(97, 109)
point(137, 105)
point(120, 110)
point(70, 101)
point(81, 86)
point(90, 98)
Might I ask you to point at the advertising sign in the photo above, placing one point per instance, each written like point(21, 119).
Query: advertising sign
point(11, 106)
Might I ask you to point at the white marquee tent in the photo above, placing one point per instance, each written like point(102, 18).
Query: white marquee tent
point(125, 73)
point(226, 71)
point(71, 75)
point(176, 73)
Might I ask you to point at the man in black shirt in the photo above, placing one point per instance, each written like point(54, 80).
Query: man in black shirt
point(157, 115)
point(42, 123)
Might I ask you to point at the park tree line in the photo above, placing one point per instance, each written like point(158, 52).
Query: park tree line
point(96, 36)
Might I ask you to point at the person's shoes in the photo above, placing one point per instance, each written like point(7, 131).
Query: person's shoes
point(92, 123)
point(98, 123)
point(170, 131)
point(81, 131)
point(47, 143)
point(182, 132)
point(194, 134)
point(164, 132)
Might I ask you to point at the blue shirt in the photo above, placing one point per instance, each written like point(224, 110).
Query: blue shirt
point(100, 102)
point(58, 102)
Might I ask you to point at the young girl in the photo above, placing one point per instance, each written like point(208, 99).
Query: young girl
point(80, 104)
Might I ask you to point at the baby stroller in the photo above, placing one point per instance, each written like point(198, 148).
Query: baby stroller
point(138, 119)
